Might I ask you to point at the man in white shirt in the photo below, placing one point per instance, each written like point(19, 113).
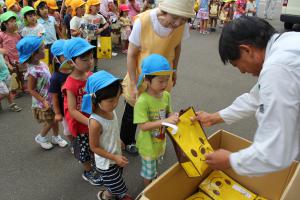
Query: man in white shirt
point(253, 46)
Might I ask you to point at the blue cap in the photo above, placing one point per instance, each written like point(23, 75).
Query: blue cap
point(27, 46)
point(73, 48)
point(95, 82)
point(57, 48)
point(154, 64)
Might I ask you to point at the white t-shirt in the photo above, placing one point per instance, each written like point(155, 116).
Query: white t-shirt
point(78, 22)
point(135, 35)
point(38, 30)
point(94, 22)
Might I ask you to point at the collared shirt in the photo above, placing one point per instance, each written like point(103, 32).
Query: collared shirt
point(49, 26)
point(275, 100)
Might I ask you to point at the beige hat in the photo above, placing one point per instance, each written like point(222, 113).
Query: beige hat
point(184, 8)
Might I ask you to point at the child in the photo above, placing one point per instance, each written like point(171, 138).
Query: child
point(203, 15)
point(57, 80)
point(125, 26)
point(14, 6)
point(152, 108)
point(79, 55)
point(94, 21)
point(240, 8)
point(67, 18)
point(5, 84)
point(1, 6)
point(52, 9)
point(213, 14)
point(134, 9)
point(103, 93)
point(31, 51)
point(251, 8)
point(31, 27)
point(8, 40)
point(77, 23)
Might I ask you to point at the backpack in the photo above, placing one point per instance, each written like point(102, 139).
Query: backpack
point(213, 10)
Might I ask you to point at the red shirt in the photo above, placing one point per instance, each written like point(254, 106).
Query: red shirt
point(77, 87)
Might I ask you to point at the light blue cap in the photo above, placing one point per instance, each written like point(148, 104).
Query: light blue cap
point(27, 46)
point(57, 48)
point(154, 64)
point(95, 82)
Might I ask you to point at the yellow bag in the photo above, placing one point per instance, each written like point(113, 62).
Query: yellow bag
point(196, 6)
point(260, 198)
point(199, 196)
point(219, 186)
point(104, 47)
point(47, 61)
point(14, 84)
point(190, 144)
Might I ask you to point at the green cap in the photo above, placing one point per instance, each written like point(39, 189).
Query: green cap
point(26, 9)
point(7, 15)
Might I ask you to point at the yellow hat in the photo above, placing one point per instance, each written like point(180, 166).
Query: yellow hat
point(90, 3)
point(38, 2)
point(52, 4)
point(68, 3)
point(10, 3)
point(183, 8)
point(76, 4)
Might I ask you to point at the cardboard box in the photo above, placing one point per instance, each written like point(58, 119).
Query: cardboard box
point(174, 184)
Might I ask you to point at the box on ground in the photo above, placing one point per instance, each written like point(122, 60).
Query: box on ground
point(174, 184)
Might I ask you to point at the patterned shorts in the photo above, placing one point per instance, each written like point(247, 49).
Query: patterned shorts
point(203, 14)
point(81, 147)
point(149, 169)
point(43, 116)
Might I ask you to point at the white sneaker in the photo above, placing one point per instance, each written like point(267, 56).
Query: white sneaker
point(114, 53)
point(43, 142)
point(59, 141)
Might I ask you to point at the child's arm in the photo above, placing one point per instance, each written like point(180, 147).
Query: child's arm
point(58, 115)
point(73, 111)
point(148, 126)
point(75, 33)
point(32, 91)
point(60, 35)
point(95, 130)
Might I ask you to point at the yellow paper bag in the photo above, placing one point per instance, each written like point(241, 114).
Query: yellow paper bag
point(199, 196)
point(104, 47)
point(219, 186)
point(46, 59)
point(190, 144)
point(260, 198)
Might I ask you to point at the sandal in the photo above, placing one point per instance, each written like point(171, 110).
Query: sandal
point(101, 195)
point(131, 149)
point(14, 107)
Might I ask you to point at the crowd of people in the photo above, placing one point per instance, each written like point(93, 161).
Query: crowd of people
point(83, 98)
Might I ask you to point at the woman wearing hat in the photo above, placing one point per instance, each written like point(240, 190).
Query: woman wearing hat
point(160, 31)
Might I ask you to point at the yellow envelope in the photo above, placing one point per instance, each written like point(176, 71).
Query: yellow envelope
point(199, 196)
point(219, 186)
point(104, 47)
point(190, 144)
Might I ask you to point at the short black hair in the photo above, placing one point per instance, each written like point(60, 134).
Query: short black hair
point(244, 30)
point(40, 6)
point(150, 77)
point(28, 13)
point(83, 55)
point(108, 92)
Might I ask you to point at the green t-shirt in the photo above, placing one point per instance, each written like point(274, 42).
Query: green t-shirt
point(151, 144)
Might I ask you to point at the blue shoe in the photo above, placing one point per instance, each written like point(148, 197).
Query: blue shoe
point(92, 178)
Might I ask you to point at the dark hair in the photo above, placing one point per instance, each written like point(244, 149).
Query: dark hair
point(28, 13)
point(244, 30)
point(107, 92)
point(40, 6)
point(3, 24)
point(83, 55)
point(150, 77)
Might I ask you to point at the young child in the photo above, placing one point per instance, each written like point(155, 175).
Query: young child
point(203, 15)
point(213, 14)
point(31, 51)
point(94, 21)
point(31, 28)
point(79, 56)
point(125, 26)
point(251, 8)
point(152, 108)
point(77, 23)
point(67, 18)
point(103, 93)
point(14, 6)
point(8, 40)
point(57, 80)
point(134, 9)
point(52, 10)
point(240, 8)
point(5, 84)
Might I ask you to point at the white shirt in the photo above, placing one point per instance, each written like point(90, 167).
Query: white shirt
point(276, 101)
point(135, 36)
point(78, 23)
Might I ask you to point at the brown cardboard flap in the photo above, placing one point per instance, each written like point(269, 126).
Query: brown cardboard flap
point(292, 189)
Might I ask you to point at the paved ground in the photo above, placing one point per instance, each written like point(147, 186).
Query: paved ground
point(29, 173)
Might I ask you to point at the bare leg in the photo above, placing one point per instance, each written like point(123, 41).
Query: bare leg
point(46, 128)
point(55, 128)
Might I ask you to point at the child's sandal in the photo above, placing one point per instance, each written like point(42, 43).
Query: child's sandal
point(101, 195)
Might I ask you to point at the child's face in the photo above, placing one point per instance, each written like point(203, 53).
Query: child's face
point(80, 11)
point(111, 6)
point(95, 9)
point(60, 59)
point(109, 105)
point(159, 83)
point(44, 11)
point(15, 8)
point(40, 53)
point(125, 13)
point(11, 24)
point(31, 18)
point(84, 64)
point(174, 21)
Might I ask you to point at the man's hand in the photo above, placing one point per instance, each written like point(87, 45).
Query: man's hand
point(208, 119)
point(218, 160)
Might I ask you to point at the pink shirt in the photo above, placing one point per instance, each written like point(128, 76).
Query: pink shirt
point(133, 10)
point(9, 41)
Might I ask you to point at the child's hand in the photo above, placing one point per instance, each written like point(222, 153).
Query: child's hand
point(3, 51)
point(46, 104)
point(58, 117)
point(173, 118)
point(121, 160)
